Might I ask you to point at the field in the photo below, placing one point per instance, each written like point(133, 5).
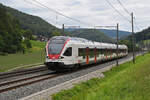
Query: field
point(147, 41)
point(35, 55)
point(127, 82)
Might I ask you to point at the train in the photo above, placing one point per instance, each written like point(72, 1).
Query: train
point(67, 53)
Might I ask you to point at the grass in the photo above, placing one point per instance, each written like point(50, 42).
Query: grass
point(37, 46)
point(126, 82)
point(146, 41)
point(36, 55)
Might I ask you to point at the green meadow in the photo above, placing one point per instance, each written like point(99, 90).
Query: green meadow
point(32, 56)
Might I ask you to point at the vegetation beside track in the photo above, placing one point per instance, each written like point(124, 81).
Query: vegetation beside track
point(34, 55)
point(127, 82)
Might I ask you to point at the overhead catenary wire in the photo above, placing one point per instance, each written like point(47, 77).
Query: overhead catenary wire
point(43, 7)
point(31, 3)
point(136, 25)
point(123, 7)
point(118, 11)
point(61, 14)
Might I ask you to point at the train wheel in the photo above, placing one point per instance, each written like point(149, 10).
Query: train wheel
point(75, 67)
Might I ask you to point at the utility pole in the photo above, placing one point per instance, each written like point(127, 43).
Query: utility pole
point(143, 44)
point(63, 28)
point(133, 38)
point(117, 42)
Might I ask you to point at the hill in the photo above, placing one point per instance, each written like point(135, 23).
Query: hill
point(90, 34)
point(143, 35)
point(37, 25)
point(109, 33)
point(112, 33)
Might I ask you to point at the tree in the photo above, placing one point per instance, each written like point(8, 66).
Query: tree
point(28, 34)
point(27, 43)
point(10, 37)
point(1, 43)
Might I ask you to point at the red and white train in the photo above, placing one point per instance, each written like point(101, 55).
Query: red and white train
point(65, 52)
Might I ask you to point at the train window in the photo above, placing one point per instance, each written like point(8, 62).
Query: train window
point(68, 52)
point(101, 51)
point(55, 46)
point(91, 52)
point(97, 52)
point(114, 50)
point(81, 52)
point(104, 51)
point(109, 51)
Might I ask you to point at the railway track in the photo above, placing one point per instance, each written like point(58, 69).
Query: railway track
point(22, 72)
point(7, 86)
point(13, 84)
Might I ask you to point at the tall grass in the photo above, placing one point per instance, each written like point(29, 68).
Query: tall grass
point(127, 82)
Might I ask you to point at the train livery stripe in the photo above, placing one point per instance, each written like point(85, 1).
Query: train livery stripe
point(87, 55)
point(95, 55)
point(110, 53)
point(64, 45)
point(47, 47)
point(106, 53)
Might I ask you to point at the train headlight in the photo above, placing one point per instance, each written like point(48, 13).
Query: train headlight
point(47, 56)
point(61, 57)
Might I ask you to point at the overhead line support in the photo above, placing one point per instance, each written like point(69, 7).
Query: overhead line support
point(133, 42)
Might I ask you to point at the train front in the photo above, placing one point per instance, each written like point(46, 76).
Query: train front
point(55, 49)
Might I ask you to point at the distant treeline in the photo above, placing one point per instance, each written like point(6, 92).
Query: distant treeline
point(139, 38)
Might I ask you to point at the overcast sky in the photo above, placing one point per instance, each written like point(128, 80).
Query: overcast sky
point(90, 12)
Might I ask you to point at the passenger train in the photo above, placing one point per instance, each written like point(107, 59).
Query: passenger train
point(65, 53)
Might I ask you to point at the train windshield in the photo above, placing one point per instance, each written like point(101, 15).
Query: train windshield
point(55, 46)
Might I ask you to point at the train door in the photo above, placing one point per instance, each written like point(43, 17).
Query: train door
point(110, 54)
point(68, 58)
point(87, 55)
point(106, 53)
point(95, 53)
point(75, 58)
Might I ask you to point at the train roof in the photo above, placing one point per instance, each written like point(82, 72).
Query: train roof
point(88, 42)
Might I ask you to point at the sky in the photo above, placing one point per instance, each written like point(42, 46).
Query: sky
point(90, 12)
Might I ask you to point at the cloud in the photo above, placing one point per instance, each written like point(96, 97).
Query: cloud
point(92, 12)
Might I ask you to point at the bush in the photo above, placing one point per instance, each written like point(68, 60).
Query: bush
point(27, 43)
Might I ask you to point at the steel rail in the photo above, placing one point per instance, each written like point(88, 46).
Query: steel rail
point(21, 72)
point(19, 80)
point(28, 83)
